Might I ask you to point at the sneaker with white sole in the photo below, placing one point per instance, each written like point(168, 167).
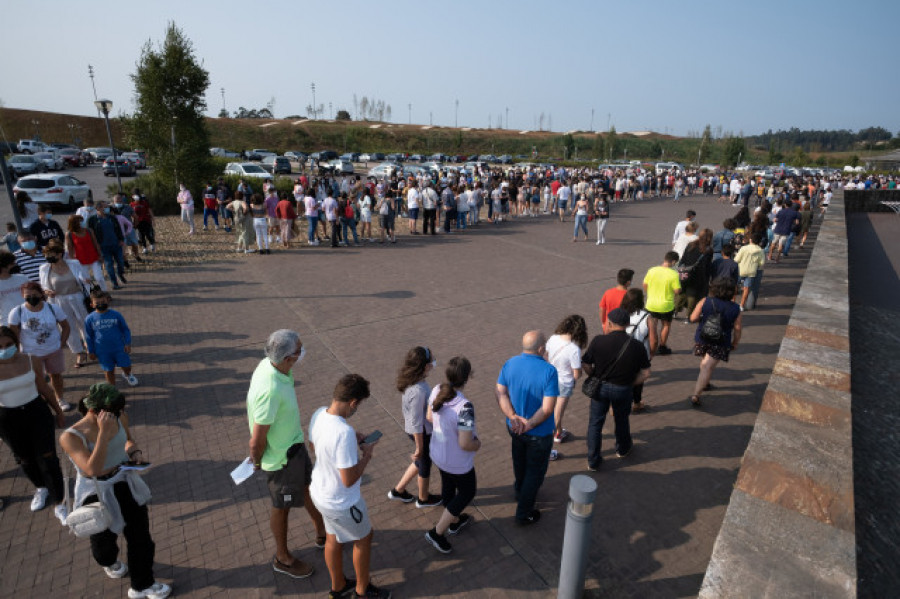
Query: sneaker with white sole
point(39, 501)
point(157, 591)
point(554, 455)
point(117, 570)
point(61, 512)
point(463, 520)
point(131, 379)
point(439, 542)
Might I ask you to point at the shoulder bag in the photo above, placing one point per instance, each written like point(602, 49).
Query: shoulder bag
point(89, 519)
point(591, 385)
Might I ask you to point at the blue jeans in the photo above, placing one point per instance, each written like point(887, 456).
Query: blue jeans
point(113, 254)
point(580, 223)
point(530, 457)
point(620, 397)
point(311, 223)
point(461, 219)
point(677, 194)
point(351, 224)
point(787, 243)
point(207, 213)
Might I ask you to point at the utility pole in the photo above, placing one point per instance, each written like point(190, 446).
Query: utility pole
point(223, 98)
point(409, 107)
point(592, 120)
point(456, 114)
point(313, 86)
point(608, 117)
point(507, 117)
point(91, 74)
point(330, 111)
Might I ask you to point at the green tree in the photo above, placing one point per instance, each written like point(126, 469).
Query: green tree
point(342, 115)
point(821, 160)
point(799, 157)
point(775, 156)
point(612, 143)
point(854, 161)
point(223, 114)
point(734, 151)
point(705, 144)
point(168, 122)
point(568, 143)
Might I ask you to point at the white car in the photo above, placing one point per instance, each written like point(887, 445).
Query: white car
point(247, 169)
point(341, 167)
point(384, 170)
point(53, 160)
point(55, 189)
point(223, 153)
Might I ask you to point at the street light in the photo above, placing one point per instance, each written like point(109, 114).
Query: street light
point(313, 86)
point(91, 75)
point(37, 129)
point(105, 106)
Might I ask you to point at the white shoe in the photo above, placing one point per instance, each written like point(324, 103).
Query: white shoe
point(554, 455)
point(117, 570)
point(61, 512)
point(131, 379)
point(598, 242)
point(157, 591)
point(143, 250)
point(152, 247)
point(40, 499)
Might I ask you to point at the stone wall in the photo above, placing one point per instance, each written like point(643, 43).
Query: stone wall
point(789, 527)
point(861, 200)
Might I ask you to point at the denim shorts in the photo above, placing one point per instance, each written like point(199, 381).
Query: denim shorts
point(566, 390)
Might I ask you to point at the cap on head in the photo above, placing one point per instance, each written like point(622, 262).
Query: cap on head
point(619, 317)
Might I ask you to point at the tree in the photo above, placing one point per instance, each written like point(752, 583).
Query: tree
point(568, 146)
point(705, 143)
point(735, 149)
point(342, 115)
point(612, 143)
point(854, 161)
point(223, 114)
point(168, 122)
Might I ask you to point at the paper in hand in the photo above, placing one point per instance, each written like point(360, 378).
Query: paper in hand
point(242, 472)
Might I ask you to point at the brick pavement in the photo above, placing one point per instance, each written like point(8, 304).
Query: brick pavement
point(198, 333)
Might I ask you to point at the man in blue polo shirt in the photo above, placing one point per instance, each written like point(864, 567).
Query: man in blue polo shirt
point(526, 391)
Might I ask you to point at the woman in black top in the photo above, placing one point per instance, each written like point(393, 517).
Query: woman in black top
point(712, 349)
point(694, 268)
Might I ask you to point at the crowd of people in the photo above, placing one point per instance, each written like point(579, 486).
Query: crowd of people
point(54, 294)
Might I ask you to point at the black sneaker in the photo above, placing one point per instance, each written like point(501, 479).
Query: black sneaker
point(348, 591)
point(122, 278)
point(439, 542)
point(403, 496)
point(463, 520)
point(373, 592)
point(531, 518)
point(663, 350)
point(432, 501)
point(622, 454)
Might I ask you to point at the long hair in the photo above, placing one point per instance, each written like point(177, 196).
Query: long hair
point(633, 300)
point(574, 326)
point(413, 368)
point(703, 241)
point(458, 371)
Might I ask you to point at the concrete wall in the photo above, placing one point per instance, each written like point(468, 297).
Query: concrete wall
point(789, 528)
point(861, 200)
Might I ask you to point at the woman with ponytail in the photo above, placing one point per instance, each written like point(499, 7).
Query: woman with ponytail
point(454, 442)
point(411, 383)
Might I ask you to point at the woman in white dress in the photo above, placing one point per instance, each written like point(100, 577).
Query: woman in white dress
point(63, 285)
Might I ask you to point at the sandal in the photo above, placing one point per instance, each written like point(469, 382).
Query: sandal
point(695, 400)
point(639, 407)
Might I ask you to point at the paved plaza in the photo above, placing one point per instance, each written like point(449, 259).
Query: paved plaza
point(198, 334)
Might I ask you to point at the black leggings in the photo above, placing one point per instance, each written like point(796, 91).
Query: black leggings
point(141, 548)
point(30, 432)
point(457, 490)
point(145, 230)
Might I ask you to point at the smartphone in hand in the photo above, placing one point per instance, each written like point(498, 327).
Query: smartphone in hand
point(374, 436)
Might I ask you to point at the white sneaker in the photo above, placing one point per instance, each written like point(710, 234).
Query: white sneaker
point(61, 512)
point(554, 455)
point(132, 380)
point(152, 247)
point(157, 591)
point(143, 250)
point(117, 570)
point(39, 501)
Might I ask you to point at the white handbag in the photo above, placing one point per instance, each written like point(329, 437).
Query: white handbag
point(89, 519)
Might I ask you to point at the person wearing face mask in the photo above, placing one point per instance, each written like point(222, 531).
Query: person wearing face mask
point(419, 362)
point(26, 423)
point(111, 240)
point(143, 222)
point(11, 282)
point(125, 215)
point(28, 258)
point(62, 285)
point(277, 445)
point(108, 339)
point(99, 445)
point(45, 228)
point(42, 329)
point(81, 244)
point(186, 201)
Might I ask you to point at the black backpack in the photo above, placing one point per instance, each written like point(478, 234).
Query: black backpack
point(712, 330)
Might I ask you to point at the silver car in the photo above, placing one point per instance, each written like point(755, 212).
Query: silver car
point(55, 189)
point(247, 169)
point(25, 164)
point(53, 160)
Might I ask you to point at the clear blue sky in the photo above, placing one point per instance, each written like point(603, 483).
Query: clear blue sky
point(660, 65)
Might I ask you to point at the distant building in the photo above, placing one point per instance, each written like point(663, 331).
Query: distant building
point(885, 162)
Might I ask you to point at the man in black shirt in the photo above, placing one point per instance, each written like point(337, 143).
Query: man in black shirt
point(620, 362)
point(45, 228)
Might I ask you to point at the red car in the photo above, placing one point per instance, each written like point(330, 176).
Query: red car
point(72, 156)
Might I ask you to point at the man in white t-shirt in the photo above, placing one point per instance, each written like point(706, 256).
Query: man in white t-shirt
point(335, 486)
point(563, 196)
point(680, 227)
point(413, 198)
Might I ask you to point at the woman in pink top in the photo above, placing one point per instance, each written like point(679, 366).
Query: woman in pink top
point(454, 442)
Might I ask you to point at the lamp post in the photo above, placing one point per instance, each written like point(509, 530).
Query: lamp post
point(91, 75)
point(72, 132)
point(37, 129)
point(456, 115)
point(223, 99)
point(105, 106)
point(313, 86)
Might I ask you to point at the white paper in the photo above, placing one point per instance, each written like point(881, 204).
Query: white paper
point(242, 472)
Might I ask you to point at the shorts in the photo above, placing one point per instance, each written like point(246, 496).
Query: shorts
point(131, 238)
point(387, 222)
point(110, 359)
point(272, 221)
point(562, 204)
point(365, 217)
point(535, 199)
point(746, 281)
point(54, 363)
point(663, 316)
point(347, 525)
point(778, 239)
point(718, 352)
point(566, 390)
point(423, 464)
point(287, 486)
point(413, 213)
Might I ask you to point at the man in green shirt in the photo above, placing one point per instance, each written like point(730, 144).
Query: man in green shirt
point(661, 283)
point(277, 447)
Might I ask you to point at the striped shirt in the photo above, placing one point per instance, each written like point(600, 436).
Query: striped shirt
point(29, 265)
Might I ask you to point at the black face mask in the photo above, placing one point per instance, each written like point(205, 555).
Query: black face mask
point(34, 300)
point(101, 307)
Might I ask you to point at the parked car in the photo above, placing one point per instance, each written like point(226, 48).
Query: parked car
point(25, 164)
point(101, 154)
point(341, 166)
point(460, 158)
point(395, 157)
point(365, 158)
point(125, 167)
point(262, 153)
point(505, 159)
point(136, 158)
point(223, 153)
point(433, 166)
point(438, 157)
point(377, 156)
point(55, 189)
point(324, 155)
point(276, 164)
point(247, 169)
point(72, 156)
point(416, 158)
point(31, 146)
point(53, 160)
point(296, 155)
point(350, 156)
point(383, 170)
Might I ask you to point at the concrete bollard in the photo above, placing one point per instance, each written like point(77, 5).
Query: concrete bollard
point(579, 514)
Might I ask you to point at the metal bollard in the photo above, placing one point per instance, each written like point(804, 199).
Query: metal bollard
point(580, 512)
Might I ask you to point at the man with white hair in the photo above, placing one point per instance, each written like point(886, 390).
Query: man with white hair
point(277, 445)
